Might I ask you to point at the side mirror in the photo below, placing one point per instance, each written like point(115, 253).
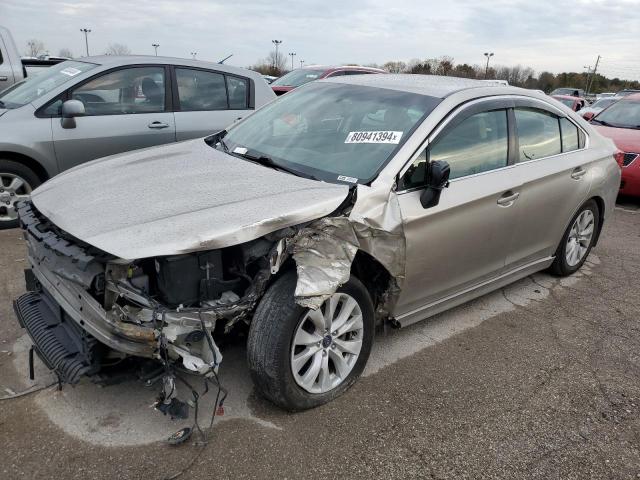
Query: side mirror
point(70, 110)
point(437, 178)
point(588, 116)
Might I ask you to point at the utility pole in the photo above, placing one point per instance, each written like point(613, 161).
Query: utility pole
point(277, 43)
point(86, 32)
point(155, 45)
point(593, 75)
point(293, 54)
point(486, 70)
point(193, 55)
point(588, 76)
point(301, 63)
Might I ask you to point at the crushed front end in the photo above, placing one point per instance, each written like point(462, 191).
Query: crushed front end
point(86, 308)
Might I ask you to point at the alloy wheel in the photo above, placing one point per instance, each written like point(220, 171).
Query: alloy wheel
point(579, 238)
point(13, 188)
point(327, 343)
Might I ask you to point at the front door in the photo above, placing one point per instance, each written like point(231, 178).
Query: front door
point(126, 109)
point(462, 241)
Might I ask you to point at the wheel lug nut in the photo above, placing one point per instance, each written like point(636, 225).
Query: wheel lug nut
point(333, 334)
point(333, 345)
point(318, 344)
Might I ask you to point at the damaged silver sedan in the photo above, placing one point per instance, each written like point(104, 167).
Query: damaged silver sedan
point(345, 204)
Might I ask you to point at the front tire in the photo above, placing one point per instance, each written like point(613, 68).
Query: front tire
point(301, 358)
point(16, 184)
point(577, 240)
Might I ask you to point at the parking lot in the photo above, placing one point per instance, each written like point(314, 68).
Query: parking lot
point(537, 380)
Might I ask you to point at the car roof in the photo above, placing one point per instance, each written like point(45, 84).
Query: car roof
point(432, 85)
point(123, 60)
point(635, 97)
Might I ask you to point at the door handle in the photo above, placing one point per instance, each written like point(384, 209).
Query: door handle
point(158, 125)
point(508, 198)
point(578, 173)
point(4, 79)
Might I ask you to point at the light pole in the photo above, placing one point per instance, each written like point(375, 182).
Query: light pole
point(293, 54)
point(193, 55)
point(155, 45)
point(588, 68)
point(486, 70)
point(86, 32)
point(301, 63)
point(276, 43)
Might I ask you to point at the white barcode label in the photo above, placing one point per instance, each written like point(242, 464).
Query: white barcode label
point(374, 137)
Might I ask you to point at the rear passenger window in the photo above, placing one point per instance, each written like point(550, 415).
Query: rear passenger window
point(570, 138)
point(538, 134)
point(201, 90)
point(478, 144)
point(238, 93)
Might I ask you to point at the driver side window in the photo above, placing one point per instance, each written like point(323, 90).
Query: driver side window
point(124, 91)
point(478, 144)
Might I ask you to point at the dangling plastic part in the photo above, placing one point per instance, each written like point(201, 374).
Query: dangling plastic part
point(180, 436)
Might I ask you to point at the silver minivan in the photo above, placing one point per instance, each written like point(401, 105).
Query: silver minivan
point(80, 110)
point(346, 203)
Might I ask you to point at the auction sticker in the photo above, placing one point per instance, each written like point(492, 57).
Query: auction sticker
point(374, 137)
point(72, 72)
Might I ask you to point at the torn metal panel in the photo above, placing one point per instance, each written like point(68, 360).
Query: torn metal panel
point(222, 201)
point(325, 249)
point(323, 252)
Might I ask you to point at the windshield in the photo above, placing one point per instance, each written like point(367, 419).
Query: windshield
point(298, 77)
point(604, 103)
point(566, 91)
point(624, 114)
point(34, 87)
point(333, 132)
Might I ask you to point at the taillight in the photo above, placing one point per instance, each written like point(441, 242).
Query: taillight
point(619, 156)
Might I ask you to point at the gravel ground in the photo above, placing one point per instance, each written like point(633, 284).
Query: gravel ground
point(548, 388)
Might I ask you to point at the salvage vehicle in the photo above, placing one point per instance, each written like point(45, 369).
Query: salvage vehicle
point(350, 202)
point(621, 123)
point(80, 110)
point(596, 107)
point(301, 76)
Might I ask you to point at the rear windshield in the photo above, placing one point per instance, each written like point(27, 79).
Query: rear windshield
point(35, 87)
point(298, 77)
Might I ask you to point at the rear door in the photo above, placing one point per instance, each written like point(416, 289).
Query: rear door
point(126, 109)
point(207, 101)
point(462, 241)
point(555, 175)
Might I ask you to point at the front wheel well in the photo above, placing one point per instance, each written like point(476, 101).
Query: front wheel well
point(375, 277)
point(29, 162)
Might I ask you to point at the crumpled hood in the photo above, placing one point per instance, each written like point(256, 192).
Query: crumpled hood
point(179, 198)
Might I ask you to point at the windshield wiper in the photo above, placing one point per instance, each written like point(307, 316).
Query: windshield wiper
point(269, 162)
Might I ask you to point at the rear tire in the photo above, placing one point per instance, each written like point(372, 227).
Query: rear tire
point(274, 345)
point(16, 183)
point(577, 240)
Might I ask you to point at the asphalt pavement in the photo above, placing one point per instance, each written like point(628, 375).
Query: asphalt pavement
point(538, 380)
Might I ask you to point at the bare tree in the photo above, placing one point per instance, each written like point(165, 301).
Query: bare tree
point(118, 49)
point(35, 47)
point(278, 63)
point(395, 67)
point(65, 53)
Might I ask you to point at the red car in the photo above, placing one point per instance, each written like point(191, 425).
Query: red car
point(574, 103)
point(303, 75)
point(621, 123)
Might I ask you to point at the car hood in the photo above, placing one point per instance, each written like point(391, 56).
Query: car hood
point(626, 139)
point(179, 198)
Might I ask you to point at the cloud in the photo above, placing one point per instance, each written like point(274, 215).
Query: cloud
point(554, 35)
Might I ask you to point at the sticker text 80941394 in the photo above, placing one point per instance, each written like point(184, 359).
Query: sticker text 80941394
point(374, 137)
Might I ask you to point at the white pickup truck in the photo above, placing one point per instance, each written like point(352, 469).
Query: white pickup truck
point(13, 69)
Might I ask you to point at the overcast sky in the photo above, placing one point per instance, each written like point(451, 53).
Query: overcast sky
point(558, 35)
